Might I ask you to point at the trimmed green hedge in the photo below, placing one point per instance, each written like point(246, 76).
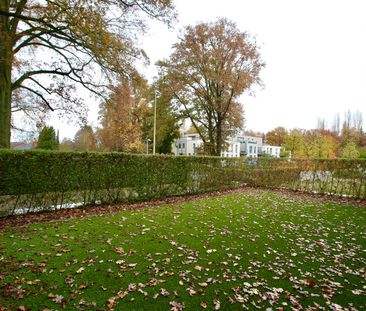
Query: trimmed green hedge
point(326, 176)
point(35, 180)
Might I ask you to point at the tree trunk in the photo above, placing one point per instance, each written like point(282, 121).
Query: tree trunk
point(218, 138)
point(210, 146)
point(5, 76)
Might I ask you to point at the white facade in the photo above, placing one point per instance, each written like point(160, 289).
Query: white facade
point(187, 145)
point(241, 145)
point(232, 150)
point(273, 151)
point(249, 145)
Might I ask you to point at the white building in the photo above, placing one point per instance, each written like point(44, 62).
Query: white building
point(232, 150)
point(273, 151)
point(187, 145)
point(241, 145)
point(249, 145)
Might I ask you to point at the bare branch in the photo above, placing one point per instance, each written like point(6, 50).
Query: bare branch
point(39, 95)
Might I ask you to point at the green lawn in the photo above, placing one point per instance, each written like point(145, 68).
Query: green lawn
point(240, 251)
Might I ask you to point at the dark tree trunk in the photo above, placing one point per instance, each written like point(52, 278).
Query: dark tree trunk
point(218, 138)
point(5, 76)
point(210, 144)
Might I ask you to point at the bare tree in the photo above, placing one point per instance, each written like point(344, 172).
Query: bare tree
point(347, 122)
point(321, 124)
point(357, 120)
point(336, 125)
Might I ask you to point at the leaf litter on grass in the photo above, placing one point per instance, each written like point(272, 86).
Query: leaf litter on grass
point(261, 250)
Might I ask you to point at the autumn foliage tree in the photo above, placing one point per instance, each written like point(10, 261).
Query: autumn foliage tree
point(210, 67)
point(350, 151)
point(316, 143)
point(121, 119)
point(85, 139)
point(277, 136)
point(324, 145)
point(294, 141)
point(48, 47)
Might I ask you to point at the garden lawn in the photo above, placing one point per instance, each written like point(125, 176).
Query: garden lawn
point(251, 250)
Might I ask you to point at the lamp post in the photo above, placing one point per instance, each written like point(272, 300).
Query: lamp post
point(154, 138)
point(147, 145)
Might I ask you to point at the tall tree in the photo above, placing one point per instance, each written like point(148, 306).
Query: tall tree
point(47, 139)
point(121, 118)
point(85, 139)
point(357, 120)
point(67, 41)
point(294, 141)
point(210, 67)
point(321, 124)
point(336, 125)
point(347, 122)
point(167, 119)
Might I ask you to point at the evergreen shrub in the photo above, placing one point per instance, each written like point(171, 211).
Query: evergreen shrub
point(39, 179)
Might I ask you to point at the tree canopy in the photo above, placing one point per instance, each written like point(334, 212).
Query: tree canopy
point(277, 136)
point(167, 118)
point(121, 118)
point(84, 139)
point(48, 47)
point(48, 139)
point(294, 141)
point(127, 118)
point(350, 151)
point(210, 67)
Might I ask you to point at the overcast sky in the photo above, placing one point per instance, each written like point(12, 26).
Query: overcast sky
point(314, 50)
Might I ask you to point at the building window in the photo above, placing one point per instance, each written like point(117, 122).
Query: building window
point(250, 149)
point(182, 145)
point(179, 146)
